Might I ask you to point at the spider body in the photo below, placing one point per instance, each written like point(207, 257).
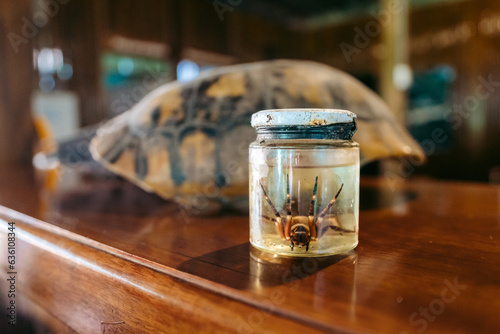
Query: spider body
point(300, 234)
point(300, 230)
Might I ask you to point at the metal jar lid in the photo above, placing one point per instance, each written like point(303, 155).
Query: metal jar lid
point(301, 117)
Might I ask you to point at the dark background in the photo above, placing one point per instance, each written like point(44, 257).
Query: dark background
point(449, 47)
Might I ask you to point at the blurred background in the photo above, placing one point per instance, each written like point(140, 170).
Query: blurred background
point(70, 64)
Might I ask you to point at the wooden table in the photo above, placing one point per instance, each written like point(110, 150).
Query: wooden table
point(105, 257)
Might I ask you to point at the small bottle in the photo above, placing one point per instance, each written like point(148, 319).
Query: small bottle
point(304, 182)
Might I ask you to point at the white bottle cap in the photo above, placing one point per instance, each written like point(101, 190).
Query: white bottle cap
point(302, 116)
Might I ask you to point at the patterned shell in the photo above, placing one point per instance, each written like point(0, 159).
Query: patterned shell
point(190, 140)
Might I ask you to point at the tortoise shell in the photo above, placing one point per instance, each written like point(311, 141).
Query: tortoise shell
point(189, 141)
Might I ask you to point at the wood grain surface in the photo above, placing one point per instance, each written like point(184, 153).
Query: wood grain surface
point(103, 256)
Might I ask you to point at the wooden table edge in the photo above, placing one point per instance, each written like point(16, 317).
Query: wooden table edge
point(238, 296)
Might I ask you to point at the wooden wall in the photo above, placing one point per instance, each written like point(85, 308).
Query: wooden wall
point(82, 29)
point(15, 82)
point(459, 38)
point(464, 35)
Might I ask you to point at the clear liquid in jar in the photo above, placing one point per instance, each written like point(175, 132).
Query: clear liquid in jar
point(337, 231)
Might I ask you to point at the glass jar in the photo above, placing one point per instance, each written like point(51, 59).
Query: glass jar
point(304, 182)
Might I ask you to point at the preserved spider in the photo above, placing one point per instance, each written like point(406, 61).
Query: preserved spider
point(300, 230)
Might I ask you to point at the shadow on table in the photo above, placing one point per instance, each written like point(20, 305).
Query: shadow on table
point(244, 267)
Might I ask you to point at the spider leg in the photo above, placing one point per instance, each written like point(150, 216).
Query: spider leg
point(288, 225)
point(325, 210)
point(337, 229)
point(267, 218)
point(312, 226)
point(334, 225)
point(276, 213)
